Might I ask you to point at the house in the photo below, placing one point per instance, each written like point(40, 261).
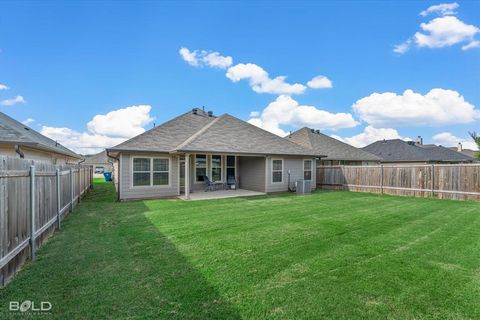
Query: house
point(172, 159)
point(337, 152)
point(100, 163)
point(400, 151)
point(468, 152)
point(20, 141)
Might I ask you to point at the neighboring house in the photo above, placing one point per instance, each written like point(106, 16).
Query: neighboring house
point(100, 163)
point(19, 141)
point(337, 152)
point(173, 158)
point(399, 151)
point(468, 152)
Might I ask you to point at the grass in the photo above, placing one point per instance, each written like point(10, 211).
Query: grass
point(329, 255)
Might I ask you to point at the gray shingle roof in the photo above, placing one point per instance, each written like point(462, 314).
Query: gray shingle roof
point(468, 152)
point(201, 133)
point(167, 136)
point(14, 132)
point(399, 150)
point(332, 148)
point(98, 158)
point(229, 134)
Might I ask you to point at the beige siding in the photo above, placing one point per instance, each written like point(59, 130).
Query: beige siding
point(127, 191)
point(37, 155)
point(295, 165)
point(251, 172)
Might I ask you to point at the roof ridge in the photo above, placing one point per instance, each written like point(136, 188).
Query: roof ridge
point(199, 132)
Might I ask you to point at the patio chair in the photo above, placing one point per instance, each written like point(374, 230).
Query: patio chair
point(211, 186)
point(231, 181)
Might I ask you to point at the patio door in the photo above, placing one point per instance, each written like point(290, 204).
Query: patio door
point(181, 172)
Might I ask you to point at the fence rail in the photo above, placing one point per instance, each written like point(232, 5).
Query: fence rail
point(34, 199)
point(445, 181)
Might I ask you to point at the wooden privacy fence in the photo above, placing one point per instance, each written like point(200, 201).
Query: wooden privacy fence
point(445, 181)
point(34, 199)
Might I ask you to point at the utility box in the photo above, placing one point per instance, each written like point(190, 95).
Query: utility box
point(304, 186)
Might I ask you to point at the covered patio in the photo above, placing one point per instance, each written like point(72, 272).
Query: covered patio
point(202, 195)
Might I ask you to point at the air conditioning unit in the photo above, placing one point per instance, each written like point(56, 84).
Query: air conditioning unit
point(304, 186)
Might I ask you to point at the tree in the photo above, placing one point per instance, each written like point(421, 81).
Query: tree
point(476, 138)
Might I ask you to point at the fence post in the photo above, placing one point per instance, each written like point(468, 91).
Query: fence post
point(32, 211)
point(381, 177)
point(58, 198)
point(79, 182)
point(71, 189)
point(433, 180)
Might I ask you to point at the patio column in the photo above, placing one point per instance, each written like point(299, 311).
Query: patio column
point(187, 176)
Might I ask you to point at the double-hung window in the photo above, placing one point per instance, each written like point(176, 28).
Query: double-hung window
point(307, 169)
point(200, 167)
point(277, 170)
point(216, 165)
point(151, 172)
point(231, 168)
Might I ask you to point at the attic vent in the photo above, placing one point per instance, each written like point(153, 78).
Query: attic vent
point(317, 131)
point(194, 110)
point(412, 143)
point(210, 113)
point(312, 130)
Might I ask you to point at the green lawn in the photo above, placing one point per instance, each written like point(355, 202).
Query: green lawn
point(328, 255)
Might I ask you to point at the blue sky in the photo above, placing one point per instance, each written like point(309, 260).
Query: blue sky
point(71, 61)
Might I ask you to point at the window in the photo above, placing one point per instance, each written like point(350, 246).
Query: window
point(141, 171)
point(200, 167)
point(307, 169)
point(230, 168)
point(150, 172)
point(216, 168)
point(277, 170)
point(160, 172)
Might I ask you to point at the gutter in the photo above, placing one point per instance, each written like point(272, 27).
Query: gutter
point(19, 151)
point(118, 159)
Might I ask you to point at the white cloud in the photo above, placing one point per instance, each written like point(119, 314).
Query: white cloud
point(447, 139)
point(28, 121)
point(189, 56)
point(403, 47)
point(13, 101)
point(3, 87)
point(104, 131)
point(445, 32)
point(441, 9)
point(472, 44)
point(254, 114)
point(286, 111)
point(261, 82)
point(370, 135)
point(319, 82)
point(437, 107)
point(200, 58)
point(126, 122)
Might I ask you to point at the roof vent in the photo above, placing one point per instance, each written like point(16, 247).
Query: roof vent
point(317, 131)
point(419, 140)
point(194, 110)
point(312, 130)
point(210, 113)
point(412, 143)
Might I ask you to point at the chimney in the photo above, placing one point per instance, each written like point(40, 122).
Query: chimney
point(419, 140)
point(459, 147)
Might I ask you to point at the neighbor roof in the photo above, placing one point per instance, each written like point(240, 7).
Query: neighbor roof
point(468, 152)
point(332, 148)
point(14, 132)
point(98, 158)
point(399, 150)
point(196, 131)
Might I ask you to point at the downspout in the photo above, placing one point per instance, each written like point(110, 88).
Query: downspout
point(19, 152)
point(118, 178)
